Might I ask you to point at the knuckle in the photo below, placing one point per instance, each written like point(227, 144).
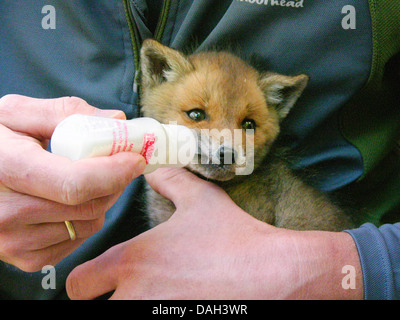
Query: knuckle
point(7, 104)
point(66, 106)
point(94, 226)
point(9, 249)
point(73, 189)
point(9, 100)
point(30, 265)
point(69, 192)
point(89, 210)
point(6, 220)
point(33, 261)
point(21, 260)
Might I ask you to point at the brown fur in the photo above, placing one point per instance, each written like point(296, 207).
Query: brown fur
point(229, 91)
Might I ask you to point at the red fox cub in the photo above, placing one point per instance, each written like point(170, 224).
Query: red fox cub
point(216, 91)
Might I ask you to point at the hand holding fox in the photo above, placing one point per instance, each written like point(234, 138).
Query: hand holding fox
point(212, 249)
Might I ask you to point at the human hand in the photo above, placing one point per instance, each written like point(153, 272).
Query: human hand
point(40, 190)
point(211, 249)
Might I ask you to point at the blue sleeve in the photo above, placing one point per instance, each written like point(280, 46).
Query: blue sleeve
point(379, 251)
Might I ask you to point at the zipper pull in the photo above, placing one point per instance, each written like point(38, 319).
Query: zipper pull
point(135, 82)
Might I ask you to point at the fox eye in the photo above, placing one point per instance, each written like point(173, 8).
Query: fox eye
point(196, 114)
point(248, 124)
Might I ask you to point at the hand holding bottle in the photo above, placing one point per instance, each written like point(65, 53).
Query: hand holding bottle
point(40, 190)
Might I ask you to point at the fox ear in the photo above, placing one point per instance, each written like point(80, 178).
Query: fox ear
point(281, 92)
point(160, 63)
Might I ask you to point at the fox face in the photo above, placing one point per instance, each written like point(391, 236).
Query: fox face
point(234, 109)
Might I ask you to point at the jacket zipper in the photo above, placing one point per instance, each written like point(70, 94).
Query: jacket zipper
point(135, 36)
point(162, 21)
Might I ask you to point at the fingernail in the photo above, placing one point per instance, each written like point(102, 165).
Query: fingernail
point(108, 113)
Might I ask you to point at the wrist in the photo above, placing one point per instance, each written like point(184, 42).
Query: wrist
point(333, 266)
point(348, 262)
point(312, 265)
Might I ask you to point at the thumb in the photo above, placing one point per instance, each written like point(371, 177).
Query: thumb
point(39, 117)
point(95, 277)
point(181, 186)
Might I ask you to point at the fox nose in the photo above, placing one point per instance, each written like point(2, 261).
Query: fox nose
point(227, 155)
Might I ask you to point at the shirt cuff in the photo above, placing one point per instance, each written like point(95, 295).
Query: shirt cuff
point(379, 251)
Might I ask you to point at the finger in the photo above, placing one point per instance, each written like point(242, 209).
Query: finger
point(94, 278)
point(39, 173)
point(41, 236)
point(85, 229)
point(20, 208)
point(39, 117)
point(32, 261)
point(26, 167)
point(50, 234)
point(180, 186)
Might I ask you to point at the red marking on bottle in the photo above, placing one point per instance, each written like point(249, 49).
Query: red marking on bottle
point(120, 138)
point(126, 136)
point(148, 146)
point(114, 143)
point(130, 147)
